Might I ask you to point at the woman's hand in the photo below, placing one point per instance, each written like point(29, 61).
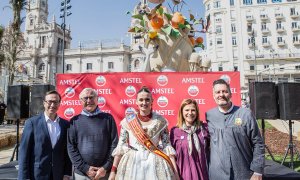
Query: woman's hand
point(112, 176)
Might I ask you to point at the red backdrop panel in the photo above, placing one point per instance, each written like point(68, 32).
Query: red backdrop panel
point(117, 91)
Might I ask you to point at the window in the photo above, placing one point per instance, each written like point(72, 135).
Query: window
point(210, 43)
point(293, 11)
point(233, 28)
point(249, 27)
point(218, 29)
point(208, 7)
point(42, 41)
point(266, 66)
point(247, 2)
point(217, 4)
point(297, 67)
point(219, 19)
point(263, 26)
point(231, 2)
point(137, 64)
point(279, 39)
point(234, 41)
point(264, 39)
point(278, 25)
point(89, 66)
point(251, 67)
point(219, 40)
point(284, 79)
point(294, 25)
point(220, 68)
point(31, 22)
point(110, 65)
point(295, 37)
point(261, 1)
point(42, 67)
point(276, 1)
point(235, 68)
point(69, 67)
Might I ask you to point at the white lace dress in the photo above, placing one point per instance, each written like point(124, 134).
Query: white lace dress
point(137, 162)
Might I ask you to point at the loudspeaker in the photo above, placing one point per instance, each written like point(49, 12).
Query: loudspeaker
point(37, 97)
point(289, 101)
point(263, 100)
point(18, 101)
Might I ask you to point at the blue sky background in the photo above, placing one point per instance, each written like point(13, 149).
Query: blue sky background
point(98, 19)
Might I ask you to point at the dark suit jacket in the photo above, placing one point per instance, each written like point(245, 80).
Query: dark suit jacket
point(37, 158)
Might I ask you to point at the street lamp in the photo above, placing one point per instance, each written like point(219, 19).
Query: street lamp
point(65, 11)
point(253, 45)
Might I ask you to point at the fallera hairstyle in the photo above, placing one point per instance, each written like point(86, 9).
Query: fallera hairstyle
point(180, 118)
point(144, 89)
point(52, 92)
point(222, 81)
point(85, 90)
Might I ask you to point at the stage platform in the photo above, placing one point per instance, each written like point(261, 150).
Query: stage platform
point(273, 171)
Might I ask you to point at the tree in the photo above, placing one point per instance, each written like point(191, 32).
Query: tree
point(11, 39)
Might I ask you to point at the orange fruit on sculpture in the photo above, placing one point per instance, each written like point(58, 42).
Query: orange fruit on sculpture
point(199, 40)
point(177, 19)
point(157, 22)
point(192, 41)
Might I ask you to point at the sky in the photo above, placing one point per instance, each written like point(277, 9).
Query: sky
point(98, 19)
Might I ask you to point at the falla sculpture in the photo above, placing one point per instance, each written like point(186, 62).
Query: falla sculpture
point(169, 37)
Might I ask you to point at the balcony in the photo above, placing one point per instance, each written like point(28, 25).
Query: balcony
point(280, 29)
point(295, 15)
point(281, 43)
point(265, 31)
point(296, 28)
point(249, 18)
point(264, 17)
point(296, 43)
point(250, 45)
point(279, 16)
point(266, 44)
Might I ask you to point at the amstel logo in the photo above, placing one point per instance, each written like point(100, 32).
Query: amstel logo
point(162, 80)
point(101, 102)
point(69, 113)
point(193, 90)
point(226, 78)
point(69, 92)
point(130, 91)
point(129, 110)
point(100, 81)
point(162, 101)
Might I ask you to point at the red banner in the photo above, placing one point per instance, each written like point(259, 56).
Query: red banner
point(117, 91)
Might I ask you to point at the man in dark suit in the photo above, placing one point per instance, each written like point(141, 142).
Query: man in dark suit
point(43, 148)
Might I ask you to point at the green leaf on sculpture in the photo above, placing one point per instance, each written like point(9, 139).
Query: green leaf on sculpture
point(167, 30)
point(200, 46)
point(160, 10)
point(138, 16)
point(175, 33)
point(169, 16)
point(197, 22)
point(131, 30)
point(188, 26)
point(181, 26)
point(142, 23)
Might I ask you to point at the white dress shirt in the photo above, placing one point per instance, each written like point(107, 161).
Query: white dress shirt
point(53, 129)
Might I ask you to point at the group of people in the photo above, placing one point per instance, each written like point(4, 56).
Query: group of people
point(228, 145)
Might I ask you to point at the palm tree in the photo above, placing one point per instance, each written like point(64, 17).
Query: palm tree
point(11, 39)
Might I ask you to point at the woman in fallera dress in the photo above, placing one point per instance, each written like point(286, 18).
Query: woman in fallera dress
point(144, 150)
point(190, 139)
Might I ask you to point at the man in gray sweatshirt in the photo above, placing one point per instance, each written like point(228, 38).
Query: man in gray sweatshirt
point(237, 149)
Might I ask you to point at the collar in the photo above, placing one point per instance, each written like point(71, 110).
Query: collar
point(47, 118)
point(95, 112)
point(229, 110)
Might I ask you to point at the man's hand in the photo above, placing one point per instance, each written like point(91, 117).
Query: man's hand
point(256, 177)
point(112, 176)
point(92, 172)
point(100, 173)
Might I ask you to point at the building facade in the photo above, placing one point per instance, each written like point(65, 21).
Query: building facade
point(259, 38)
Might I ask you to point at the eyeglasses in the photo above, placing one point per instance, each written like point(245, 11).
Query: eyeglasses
point(49, 102)
point(88, 97)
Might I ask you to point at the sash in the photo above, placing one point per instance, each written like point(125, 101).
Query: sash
point(144, 139)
